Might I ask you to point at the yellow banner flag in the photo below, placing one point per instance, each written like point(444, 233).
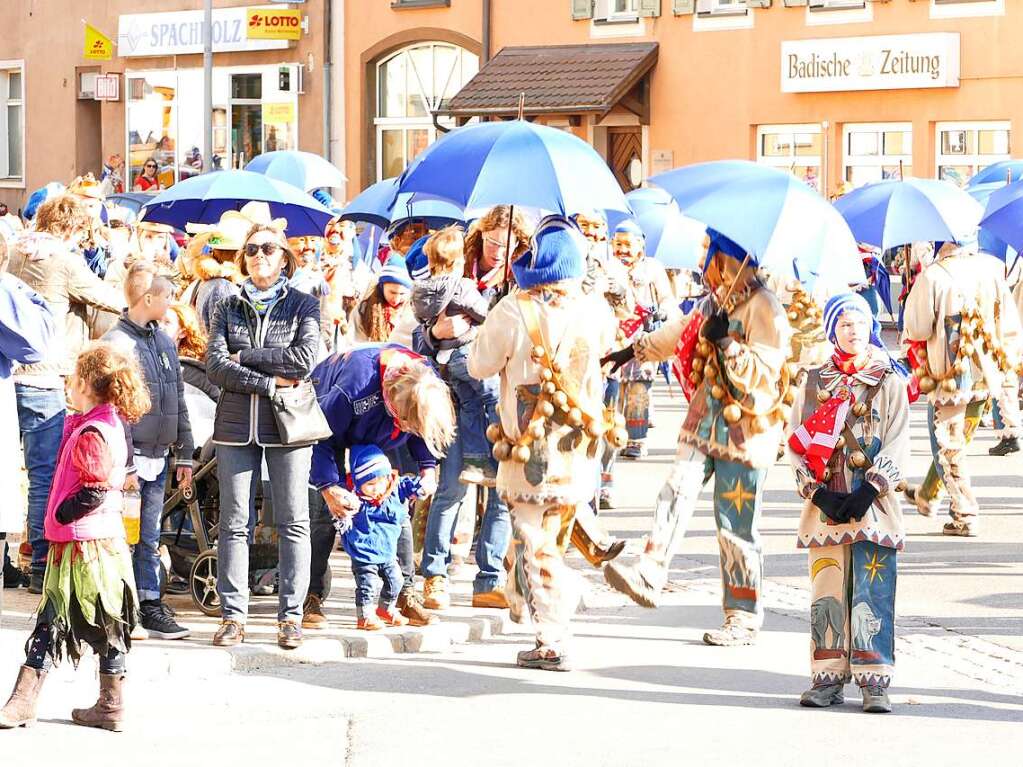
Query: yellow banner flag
point(97, 45)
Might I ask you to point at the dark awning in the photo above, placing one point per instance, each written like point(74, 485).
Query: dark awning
point(556, 79)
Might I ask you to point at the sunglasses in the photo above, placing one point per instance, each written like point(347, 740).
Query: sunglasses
point(267, 248)
point(499, 244)
point(150, 165)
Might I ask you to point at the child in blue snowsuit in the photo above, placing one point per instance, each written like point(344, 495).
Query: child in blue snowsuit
point(370, 536)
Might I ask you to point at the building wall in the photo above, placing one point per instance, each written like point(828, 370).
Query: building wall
point(49, 39)
point(711, 89)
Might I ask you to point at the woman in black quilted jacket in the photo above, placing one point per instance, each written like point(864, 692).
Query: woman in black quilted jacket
point(261, 340)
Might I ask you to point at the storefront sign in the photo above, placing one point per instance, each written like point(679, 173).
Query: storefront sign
point(883, 62)
point(273, 24)
point(165, 34)
point(98, 46)
point(108, 87)
point(281, 112)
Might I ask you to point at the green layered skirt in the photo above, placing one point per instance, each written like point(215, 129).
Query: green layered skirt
point(88, 598)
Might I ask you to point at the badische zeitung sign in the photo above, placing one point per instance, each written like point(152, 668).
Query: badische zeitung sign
point(882, 62)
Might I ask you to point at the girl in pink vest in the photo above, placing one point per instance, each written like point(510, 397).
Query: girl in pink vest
point(89, 591)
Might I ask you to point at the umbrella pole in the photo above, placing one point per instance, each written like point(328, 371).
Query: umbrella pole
point(734, 281)
point(508, 251)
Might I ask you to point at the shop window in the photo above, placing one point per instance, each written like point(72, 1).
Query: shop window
point(876, 152)
point(795, 148)
point(959, 9)
point(411, 85)
point(963, 149)
point(12, 123)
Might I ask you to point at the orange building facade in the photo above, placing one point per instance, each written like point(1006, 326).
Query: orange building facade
point(835, 90)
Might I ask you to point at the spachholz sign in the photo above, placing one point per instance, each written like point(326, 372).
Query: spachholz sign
point(882, 62)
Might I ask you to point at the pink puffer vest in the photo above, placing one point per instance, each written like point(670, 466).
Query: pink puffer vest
point(104, 522)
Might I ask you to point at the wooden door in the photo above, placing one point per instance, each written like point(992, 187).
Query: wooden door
point(624, 146)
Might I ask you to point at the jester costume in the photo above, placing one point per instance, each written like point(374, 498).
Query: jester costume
point(731, 433)
point(850, 438)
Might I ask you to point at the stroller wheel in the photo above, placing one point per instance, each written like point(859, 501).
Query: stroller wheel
point(202, 583)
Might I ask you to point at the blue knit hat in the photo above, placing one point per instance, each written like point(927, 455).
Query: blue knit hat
point(367, 462)
point(416, 261)
point(628, 226)
point(850, 302)
point(395, 270)
point(556, 253)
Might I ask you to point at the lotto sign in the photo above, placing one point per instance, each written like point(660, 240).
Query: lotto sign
point(273, 24)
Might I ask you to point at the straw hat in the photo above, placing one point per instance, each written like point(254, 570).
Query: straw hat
point(86, 186)
point(153, 227)
point(230, 231)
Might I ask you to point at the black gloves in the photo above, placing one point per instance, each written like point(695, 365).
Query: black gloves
point(830, 503)
point(845, 507)
point(76, 506)
point(860, 500)
point(619, 358)
point(716, 328)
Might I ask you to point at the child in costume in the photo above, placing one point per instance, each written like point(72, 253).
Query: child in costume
point(88, 589)
point(849, 442)
point(546, 340)
point(370, 536)
point(738, 340)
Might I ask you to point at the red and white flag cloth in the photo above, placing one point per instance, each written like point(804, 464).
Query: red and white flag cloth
point(815, 439)
point(685, 350)
point(631, 325)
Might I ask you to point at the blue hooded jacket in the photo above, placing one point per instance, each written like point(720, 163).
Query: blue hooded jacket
point(349, 390)
point(375, 527)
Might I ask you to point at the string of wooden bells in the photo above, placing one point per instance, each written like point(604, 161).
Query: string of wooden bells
point(556, 405)
point(975, 339)
point(707, 368)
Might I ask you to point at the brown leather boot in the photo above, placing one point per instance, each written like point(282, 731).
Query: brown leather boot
point(412, 608)
point(20, 710)
point(108, 712)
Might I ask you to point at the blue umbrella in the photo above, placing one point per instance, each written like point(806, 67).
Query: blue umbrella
point(378, 205)
point(673, 239)
point(1000, 171)
point(640, 201)
point(892, 213)
point(1003, 215)
point(988, 242)
point(203, 199)
point(305, 170)
point(784, 225)
point(515, 163)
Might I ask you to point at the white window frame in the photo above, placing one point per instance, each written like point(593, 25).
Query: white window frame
point(380, 124)
point(786, 163)
point(967, 9)
point(13, 182)
point(723, 18)
point(980, 160)
point(606, 23)
point(819, 17)
point(880, 159)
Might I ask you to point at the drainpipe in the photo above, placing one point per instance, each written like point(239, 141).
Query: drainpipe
point(485, 36)
point(327, 7)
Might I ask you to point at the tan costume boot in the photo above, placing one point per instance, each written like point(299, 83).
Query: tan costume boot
point(108, 712)
point(20, 710)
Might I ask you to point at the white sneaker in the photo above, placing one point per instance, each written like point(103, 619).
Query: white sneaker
point(139, 634)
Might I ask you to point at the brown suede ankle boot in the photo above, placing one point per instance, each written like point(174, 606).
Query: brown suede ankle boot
point(20, 710)
point(108, 713)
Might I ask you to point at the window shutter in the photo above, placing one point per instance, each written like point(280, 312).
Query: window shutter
point(649, 8)
point(683, 7)
point(582, 9)
point(758, 3)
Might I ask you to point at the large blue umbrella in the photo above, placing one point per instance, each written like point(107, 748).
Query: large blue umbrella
point(784, 225)
point(1006, 170)
point(892, 213)
point(305, 170)
point(671, 238)
point(987, 241)
point(204, 199)
point(1003, 215)
point(515, 163)
point(378, 205)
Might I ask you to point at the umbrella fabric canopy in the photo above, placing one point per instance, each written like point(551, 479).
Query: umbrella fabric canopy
point(988, 242)
point(1000, 171)
point(305, 170)
point(1003, 215)
point(515, 163)
point(673, 239)
point(203, 199)
point(785, 226)
point(892, 213)
point(378, 205)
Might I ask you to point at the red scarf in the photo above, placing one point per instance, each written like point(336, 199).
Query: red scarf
point(847, 362)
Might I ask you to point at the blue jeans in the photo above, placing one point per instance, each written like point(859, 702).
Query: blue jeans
point(366, 576)
point(495, 529)
point(145, 556)
point(238, 468)
point(477, 404)
point(41, 419)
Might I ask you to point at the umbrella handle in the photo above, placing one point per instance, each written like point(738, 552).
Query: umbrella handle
point(735, 281)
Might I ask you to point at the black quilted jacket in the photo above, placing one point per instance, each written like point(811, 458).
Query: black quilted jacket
point(283, 343)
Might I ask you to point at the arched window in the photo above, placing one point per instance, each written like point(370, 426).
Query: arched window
point(411, 84)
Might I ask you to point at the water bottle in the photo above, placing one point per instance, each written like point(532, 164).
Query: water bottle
point(131, 513)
